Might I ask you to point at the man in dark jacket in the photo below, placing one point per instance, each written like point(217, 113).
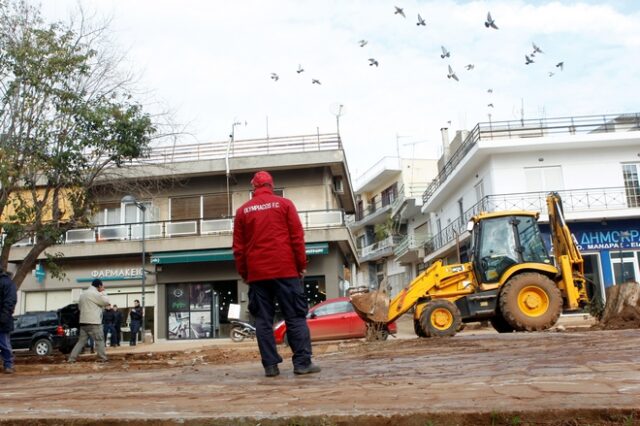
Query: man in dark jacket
point(135, 321)
point(109, 324)
point(117, 323)
point(8, 299)
point(269, 252)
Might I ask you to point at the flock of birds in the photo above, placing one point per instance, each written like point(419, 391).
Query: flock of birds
point(489, 23)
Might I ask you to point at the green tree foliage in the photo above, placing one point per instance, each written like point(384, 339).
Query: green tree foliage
point(67, 120)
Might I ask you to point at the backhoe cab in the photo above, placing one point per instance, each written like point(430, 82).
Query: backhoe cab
point(510, 279)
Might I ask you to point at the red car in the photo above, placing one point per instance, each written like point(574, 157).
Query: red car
point(333, 319)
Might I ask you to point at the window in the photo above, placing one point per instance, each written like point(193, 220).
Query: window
point(531, 244)
point(497, 249)
point(630, 173)
point(214, 206)
point(479, 191)
point(625, 266)
point(28, 321)
point(389, 195)
point(543, 179)
point(334, 308)
point(108, 214)
point(48, 319)
point(184, 208)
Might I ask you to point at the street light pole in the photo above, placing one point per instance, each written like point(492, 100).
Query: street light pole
point(130, 199)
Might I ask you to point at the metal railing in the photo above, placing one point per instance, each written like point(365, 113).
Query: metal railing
point(244, 148)
point(381, 247)
point(312, 219)
point(409, 242)
point(573, 201)
point(534, 128)
point(411, 192)
point(375, 208)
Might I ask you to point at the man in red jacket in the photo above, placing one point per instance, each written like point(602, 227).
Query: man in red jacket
point(269, 251)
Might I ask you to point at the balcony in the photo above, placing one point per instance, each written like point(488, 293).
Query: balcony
point(314, 219)
point(407, 251)
point(577, 204)
point(383, 169)
point(409, 200)
point(532, 129)
point(379, 249)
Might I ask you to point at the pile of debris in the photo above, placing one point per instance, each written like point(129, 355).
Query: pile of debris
point(622, 310)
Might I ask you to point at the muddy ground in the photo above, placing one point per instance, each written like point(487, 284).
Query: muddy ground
point(572, 377)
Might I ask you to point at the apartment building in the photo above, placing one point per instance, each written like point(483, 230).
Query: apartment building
point(388, 218)
point(593, 162)
point(181, 218)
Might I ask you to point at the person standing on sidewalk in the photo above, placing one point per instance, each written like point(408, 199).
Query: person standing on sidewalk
point(135, 321)
point(117, 324)
point(109, 325)
point(8, 299)
point(269, 252)
point(91, 302)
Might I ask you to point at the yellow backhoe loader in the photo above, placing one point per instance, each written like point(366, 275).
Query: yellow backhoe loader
point(511, 280)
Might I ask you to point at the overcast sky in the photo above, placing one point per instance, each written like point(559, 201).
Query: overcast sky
point(210, 62)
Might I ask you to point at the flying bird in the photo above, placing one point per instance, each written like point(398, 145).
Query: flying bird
point(363, 43)
point(469, 67)
point(372, 62)
point(528, 60)
point(399, 11)
point(490, 22)
point(452, 74)
point(445, 53)
point(274, 76)
point(536, 49)
point(315, 81)
point(560, 65)
point(421, 21)
point(489, 90)
point(490, 105)
point(551, 73)
point(300, 69)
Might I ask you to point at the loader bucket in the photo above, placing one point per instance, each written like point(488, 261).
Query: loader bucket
point(371, 306)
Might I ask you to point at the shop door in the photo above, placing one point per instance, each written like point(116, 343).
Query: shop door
point(192, 311)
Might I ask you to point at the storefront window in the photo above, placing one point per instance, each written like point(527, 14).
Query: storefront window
point(191, 311)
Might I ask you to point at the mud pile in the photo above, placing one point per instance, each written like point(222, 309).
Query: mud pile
point(372, 306)
point(622, 310)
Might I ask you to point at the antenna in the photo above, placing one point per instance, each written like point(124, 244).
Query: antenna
point(338, 110)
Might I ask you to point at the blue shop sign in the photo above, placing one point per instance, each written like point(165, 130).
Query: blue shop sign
point(602, 236)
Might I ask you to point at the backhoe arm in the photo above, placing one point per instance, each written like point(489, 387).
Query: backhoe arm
point(568, 257)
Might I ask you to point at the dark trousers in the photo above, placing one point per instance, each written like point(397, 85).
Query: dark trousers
point(118, 334)
point(5, 350)
point(135, 327)
point(110, 328)
point(290, 296)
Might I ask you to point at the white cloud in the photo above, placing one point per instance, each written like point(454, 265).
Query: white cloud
point(211, 60)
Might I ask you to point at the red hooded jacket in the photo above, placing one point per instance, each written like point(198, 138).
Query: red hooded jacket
point(268, 239)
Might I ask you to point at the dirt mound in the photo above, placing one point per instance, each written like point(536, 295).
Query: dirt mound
point(622, 310)
point(372, 306)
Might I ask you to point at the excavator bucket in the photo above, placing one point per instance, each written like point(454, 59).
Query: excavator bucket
point(371, 306)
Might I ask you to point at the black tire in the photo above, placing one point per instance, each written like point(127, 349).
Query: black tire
point(42, 347)
point(236, 334)
point(417, 328)
point(530, 302)
point(440, 318)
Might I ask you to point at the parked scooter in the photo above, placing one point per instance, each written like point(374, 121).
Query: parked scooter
point(241, 330)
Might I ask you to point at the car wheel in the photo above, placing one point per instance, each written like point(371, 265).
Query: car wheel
point(42, 347)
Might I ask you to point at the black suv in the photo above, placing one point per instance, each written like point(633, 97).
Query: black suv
point(42, 332)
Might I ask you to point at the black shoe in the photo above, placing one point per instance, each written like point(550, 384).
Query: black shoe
point(271, 370)
point(309, 369)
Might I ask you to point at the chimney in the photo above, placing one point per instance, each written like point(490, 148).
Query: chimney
point(444, 131)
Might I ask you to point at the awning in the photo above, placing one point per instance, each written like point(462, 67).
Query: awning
point(219, 255)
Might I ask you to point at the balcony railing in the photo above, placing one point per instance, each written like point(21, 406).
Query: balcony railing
point(409, 192)
point(244, 148)
point(409, 243)
point(313, 219)
point(534, 128)
point(379, 248)
point(573, 201)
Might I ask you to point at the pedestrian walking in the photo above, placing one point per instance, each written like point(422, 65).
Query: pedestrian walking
point(117, 324)
point(8, 299)
point(109, 325)
point(91, 302)
point(269, 252)
point(135, 321)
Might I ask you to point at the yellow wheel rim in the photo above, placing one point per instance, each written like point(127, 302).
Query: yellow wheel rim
point(441, 318)
point(533, 301)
